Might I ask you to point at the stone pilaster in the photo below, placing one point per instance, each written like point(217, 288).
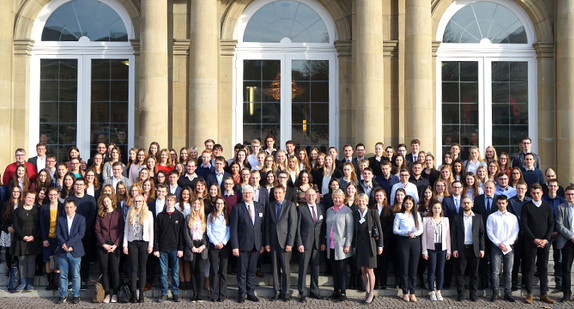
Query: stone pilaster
point(368, 92)
point(153, 105)
point(6, 37)
point(419, 120)
point(546, 105)
point(203, 83)
point(564, 91)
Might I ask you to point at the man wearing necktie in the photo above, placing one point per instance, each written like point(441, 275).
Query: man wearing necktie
point(281, 227)
point(309, 240)
point(246, 230)
point(485, 205)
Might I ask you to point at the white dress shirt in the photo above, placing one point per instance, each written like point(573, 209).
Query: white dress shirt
point(468, 228)
point(502, 228)
point(404, 224)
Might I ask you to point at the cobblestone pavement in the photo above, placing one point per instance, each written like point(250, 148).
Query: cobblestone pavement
point(379, 302)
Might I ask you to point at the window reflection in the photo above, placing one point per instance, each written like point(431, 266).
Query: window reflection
point(89, 18)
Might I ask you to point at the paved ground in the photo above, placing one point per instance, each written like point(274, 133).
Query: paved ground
point(380, 302)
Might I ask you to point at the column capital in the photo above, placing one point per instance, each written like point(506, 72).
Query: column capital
point(181, 47)
point(544, 49)
point(344, 48)
point(390, 48)
point(435, 46)
point(227, 48)
point(23, 47)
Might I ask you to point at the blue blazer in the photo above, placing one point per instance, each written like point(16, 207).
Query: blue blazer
point(240, 224)
point(212, 179)
point(480, 207)
point(151, 207)
point(449, 208)
point(72, 239)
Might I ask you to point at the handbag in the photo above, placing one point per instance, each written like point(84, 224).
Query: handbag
point(53, 262)
point(375, 232)
point(14, 276)
point(99, 292)
point(124, 294)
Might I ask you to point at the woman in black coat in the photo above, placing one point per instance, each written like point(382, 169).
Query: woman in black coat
point(368, 243)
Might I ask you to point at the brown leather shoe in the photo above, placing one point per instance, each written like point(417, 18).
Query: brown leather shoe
point(546, 299)
point(147, 286)
point(259, 274)
point(528, 299)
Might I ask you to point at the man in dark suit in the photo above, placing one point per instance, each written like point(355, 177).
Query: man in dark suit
point(309, 240)
point(413, 155)
point(101, 149)
point(515, 207)
point(485, 205)
point(218, 174)
point(70, 230)
point(260, 195)
point(376, 160)
point(280, 229)
point(39, 161)
point(467, 238)
point(156, 207)
point(290, 193)
point(452, 204)
point(246, 236)
point(368, 185)
point(565, 240)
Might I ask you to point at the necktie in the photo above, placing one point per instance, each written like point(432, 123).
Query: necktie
point(488, 204)
point(415, 158)
point(277, 210)
point(314, 214)
point(250, 213)
point(456, 204)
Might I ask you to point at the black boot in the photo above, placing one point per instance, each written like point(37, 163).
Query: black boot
point(49, 287)
point(133, 298)
point(141, 299)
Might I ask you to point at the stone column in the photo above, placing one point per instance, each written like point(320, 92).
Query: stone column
point(565, 91)
point(546, 104)
point(419, 117)
point(203, 65)
point(368, 95)
point(153, 104)
point(6, 38)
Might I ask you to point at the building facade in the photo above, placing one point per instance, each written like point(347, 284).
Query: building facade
point(319, 72)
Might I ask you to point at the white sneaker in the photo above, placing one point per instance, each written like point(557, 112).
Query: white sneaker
point(106, 299)
point(438, 296)
point(432, 295)
point(114, 298)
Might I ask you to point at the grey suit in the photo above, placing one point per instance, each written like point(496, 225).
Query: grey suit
point(280, 233)
point(125, 180)
point(342, 223)
point(311, 236)
point(563, 225)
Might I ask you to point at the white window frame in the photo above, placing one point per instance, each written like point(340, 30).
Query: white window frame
point(83, 51)
point(286, 51)
point(485, 53)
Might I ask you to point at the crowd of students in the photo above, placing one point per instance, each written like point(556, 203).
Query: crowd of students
point(197, 213)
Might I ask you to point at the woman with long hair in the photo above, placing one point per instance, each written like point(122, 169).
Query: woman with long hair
point(329, 172)
point(304, 183)
point(109, 230)
point(143, 175)
point(43, 180)
point(389, 152)
point(184, 206)
point(26, 244)
point(218, 234)
point(48, 215)
point(115, 156)
point(195, 237)
point(16, 200)
point(490, 155)
point(399, 198)
point(74, 153)
point(138, 240)
point(270, 181)
point(471, 188)
point(173, 156)
point(235, 171)
point(92, 183)
point(327, 199)
point(153, 150)
point(515, 176)
point(230, 196)
point(21, 179)
point(303, 158)
point(148, 189)
point(165, 163)
point(67, 187)
point(386, 216)
point(351, 194)
point(493, 170)
point(436, 248)
point(458, 170)
point(213, 194)
point(446, 176)
point(245, 176)
point(269, 164)
point(504, 163)
point(122, 198)
point(200, 190)
point(447, 160)
point(137, 165)
point(193, 154)
point(241, 159)
point(367, 246)
point(474, 160)
point(281, 160)
point(313, 155)
point(183, 155)
point(98, 166)
point(41, 196)
point(151, 165)
point(440, 190)
point(293, 170)
point(349, 175)
point(426, 198)
point(132, 158)
point(270, 145)
point(481, 176)
point(134, 191)
point(408, 227)
point(429, 171)
point(61, 171)
point(398, 163)
point(160, 177)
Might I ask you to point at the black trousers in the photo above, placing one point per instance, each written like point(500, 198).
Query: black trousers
point(218, 271)
point(151, 265)
point(531, 254)
point(567, 258)
point(383, 262)
point(312, 256)
point(89, 244)
point(138, 261)
point(409, 250)
point(466, 261)
point(338, 268)
point(518, 265)
point(246, 267)
point(109, 267)
point(196, 267)
point(484, 266)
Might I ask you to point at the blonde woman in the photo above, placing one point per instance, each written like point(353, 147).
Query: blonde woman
point(195, 237)
point(474, 160)
point(138, 242)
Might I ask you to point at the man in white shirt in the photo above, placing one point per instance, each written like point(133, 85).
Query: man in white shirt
point(255, 147)
point(503, 187)
point(410, 188)
point(39, 161)
point(502, 229)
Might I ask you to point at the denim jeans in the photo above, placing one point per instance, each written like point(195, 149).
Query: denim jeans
point(164, 258)
point(497, 259)
point(73, 265)
point(436, 263)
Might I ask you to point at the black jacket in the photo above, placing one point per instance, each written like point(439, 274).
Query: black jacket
point(168, 233)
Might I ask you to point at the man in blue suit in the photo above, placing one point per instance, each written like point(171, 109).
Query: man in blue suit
point(452, 205)
point(218, 174)
point(70, 230)
point(246, 219)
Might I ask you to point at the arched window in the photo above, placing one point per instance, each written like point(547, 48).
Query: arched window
point(486, 74)
point(286, 42)
point(82, 80)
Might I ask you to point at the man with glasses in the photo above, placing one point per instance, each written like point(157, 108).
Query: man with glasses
point(503, 187)
point(101, 149)
point(549, 175)
point(39, 161)
point(526, 146)
point(51, 162)
point(20, 155)
point(452, 205)
point(190, 178)
point(290, 193)
point(565, 240)
point(409, 187)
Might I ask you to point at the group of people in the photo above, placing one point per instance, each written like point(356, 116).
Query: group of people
point(202, 216)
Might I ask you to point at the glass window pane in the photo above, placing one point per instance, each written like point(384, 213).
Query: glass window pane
point(58, 104)
point(485, 20)
point(89, 18)
point(286, 19)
